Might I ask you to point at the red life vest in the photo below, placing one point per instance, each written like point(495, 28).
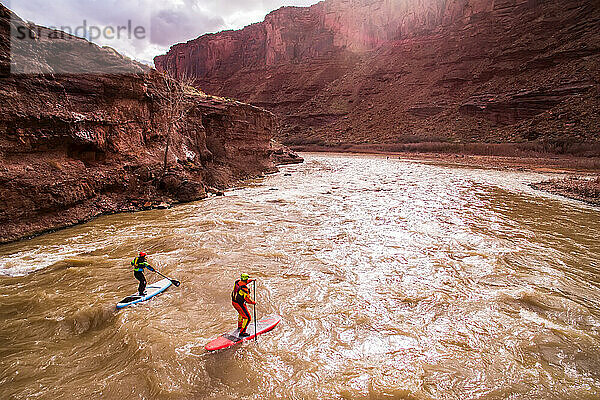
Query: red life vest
point(237, 295)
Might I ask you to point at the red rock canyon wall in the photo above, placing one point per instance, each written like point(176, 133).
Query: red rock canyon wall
point(75, 146)
point(396, 71)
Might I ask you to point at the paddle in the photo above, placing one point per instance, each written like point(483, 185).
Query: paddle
point(173, 281)
point(255, 332)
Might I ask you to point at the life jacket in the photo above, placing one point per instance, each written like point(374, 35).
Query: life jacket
point(137, 265)
point(237, 295)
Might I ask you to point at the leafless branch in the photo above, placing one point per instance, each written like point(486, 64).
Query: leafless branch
point(174, 95)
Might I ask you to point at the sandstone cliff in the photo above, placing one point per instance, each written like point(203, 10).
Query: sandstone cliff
point(398, 71)
point(74, 146)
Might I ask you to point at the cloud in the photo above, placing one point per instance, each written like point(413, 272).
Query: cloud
point(167, 22)
point(172, 26)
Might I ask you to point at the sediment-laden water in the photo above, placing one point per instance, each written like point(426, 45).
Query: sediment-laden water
point(395, 279)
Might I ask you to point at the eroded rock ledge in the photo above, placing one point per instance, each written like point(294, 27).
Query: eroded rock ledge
point(76, 146)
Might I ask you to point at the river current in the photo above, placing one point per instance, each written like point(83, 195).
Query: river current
point(395, 280)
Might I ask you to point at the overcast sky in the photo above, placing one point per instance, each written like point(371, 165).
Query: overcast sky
point(165, 22)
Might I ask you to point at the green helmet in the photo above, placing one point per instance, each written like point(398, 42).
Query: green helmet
point(244, 277)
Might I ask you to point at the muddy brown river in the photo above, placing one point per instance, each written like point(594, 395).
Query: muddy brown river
point(395, 280)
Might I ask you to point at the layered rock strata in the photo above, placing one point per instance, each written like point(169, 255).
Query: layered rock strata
point(75, 146)
point(398, 71)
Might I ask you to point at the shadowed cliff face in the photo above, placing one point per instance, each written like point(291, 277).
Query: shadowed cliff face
point(76, 146)
point(402, 71)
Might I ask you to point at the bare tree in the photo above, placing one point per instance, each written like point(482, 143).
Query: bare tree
point(174, 95)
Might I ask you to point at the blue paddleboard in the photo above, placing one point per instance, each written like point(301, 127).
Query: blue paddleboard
point(151, 291)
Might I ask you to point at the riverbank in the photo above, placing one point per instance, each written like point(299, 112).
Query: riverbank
point(582, 188)
point(180, 185)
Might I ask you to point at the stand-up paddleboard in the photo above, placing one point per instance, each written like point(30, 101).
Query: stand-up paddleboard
point(151, 291)
point(232, 338)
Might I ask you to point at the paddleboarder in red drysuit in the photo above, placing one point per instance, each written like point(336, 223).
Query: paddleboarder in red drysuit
point(239, 297)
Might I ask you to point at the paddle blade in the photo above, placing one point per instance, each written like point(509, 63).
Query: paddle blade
point(175, 282)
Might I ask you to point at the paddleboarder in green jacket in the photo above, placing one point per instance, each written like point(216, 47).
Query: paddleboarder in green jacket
point(239, 297)
point(138, 264)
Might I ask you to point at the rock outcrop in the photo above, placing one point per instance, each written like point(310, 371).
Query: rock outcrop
point(582, 188)
point(282, 155)
point(396, 71)
point(74, 146)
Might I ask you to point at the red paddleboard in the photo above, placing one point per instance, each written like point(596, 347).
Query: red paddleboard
point(232, 338)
